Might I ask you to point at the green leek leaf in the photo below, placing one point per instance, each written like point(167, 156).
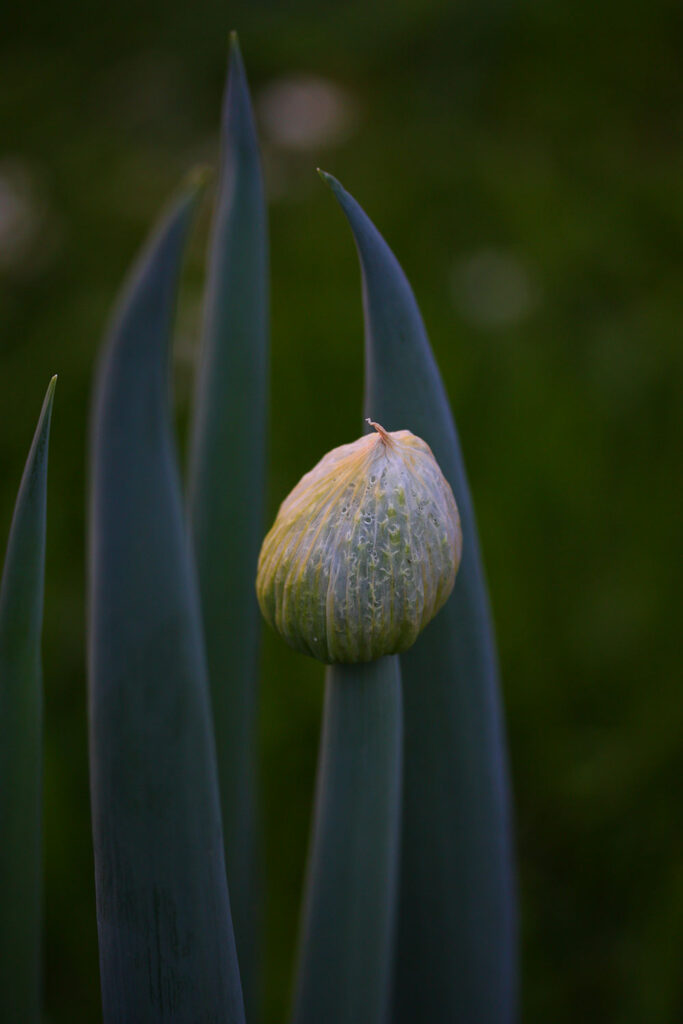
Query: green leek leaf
point(456, 943)
point(227, 492)
point(21, 755)
point(167, 949)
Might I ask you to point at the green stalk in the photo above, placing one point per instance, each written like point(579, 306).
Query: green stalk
point(456, 941)
point(21, 755)
point(348, 926)
point(227, 493)
point(167, 951)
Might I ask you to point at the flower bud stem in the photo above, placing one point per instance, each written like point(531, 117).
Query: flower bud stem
point(348, 923)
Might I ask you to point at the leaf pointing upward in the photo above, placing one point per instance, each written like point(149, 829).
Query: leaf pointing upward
point(167, 950)
point(21, 755)
point(456, 956)
point(227, 490)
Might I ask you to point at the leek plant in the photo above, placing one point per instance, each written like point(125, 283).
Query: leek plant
point(409, 909)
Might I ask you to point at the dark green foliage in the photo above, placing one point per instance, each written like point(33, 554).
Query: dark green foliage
point(549, 134)
point(227, 488)
point(167, 950)
point(21, 738)
point(456, 948)
point(348, 926)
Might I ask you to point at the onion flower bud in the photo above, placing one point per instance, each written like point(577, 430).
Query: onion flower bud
point(363, 552)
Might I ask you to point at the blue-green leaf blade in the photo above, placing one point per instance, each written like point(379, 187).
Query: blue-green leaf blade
point(344, 974)
point(227, 493)
point(166, 944)
point(21, 756)
point(456, 947)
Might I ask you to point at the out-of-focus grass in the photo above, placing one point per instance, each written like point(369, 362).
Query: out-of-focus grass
point(540, 227)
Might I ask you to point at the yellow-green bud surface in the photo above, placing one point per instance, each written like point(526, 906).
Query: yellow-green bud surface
point(363, 552)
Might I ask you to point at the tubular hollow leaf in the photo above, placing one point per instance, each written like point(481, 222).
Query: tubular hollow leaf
point(363, 552)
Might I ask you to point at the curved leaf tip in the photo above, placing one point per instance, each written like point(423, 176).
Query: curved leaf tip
point(238, 119)
point(43, 424)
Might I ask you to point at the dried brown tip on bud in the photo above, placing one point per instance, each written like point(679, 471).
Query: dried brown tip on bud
point(384, 434)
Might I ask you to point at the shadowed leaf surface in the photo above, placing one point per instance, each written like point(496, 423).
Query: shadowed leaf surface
point(227, 489)
point(456, 947)
point(167, 950)
point(348, 926)
point(21, 755)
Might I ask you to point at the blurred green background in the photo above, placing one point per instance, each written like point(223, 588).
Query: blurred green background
point(524, 162)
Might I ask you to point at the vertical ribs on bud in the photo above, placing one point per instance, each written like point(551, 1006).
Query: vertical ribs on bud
point(363, 552)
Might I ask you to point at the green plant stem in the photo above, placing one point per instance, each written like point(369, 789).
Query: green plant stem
point(21, 754)
point(346, 952)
